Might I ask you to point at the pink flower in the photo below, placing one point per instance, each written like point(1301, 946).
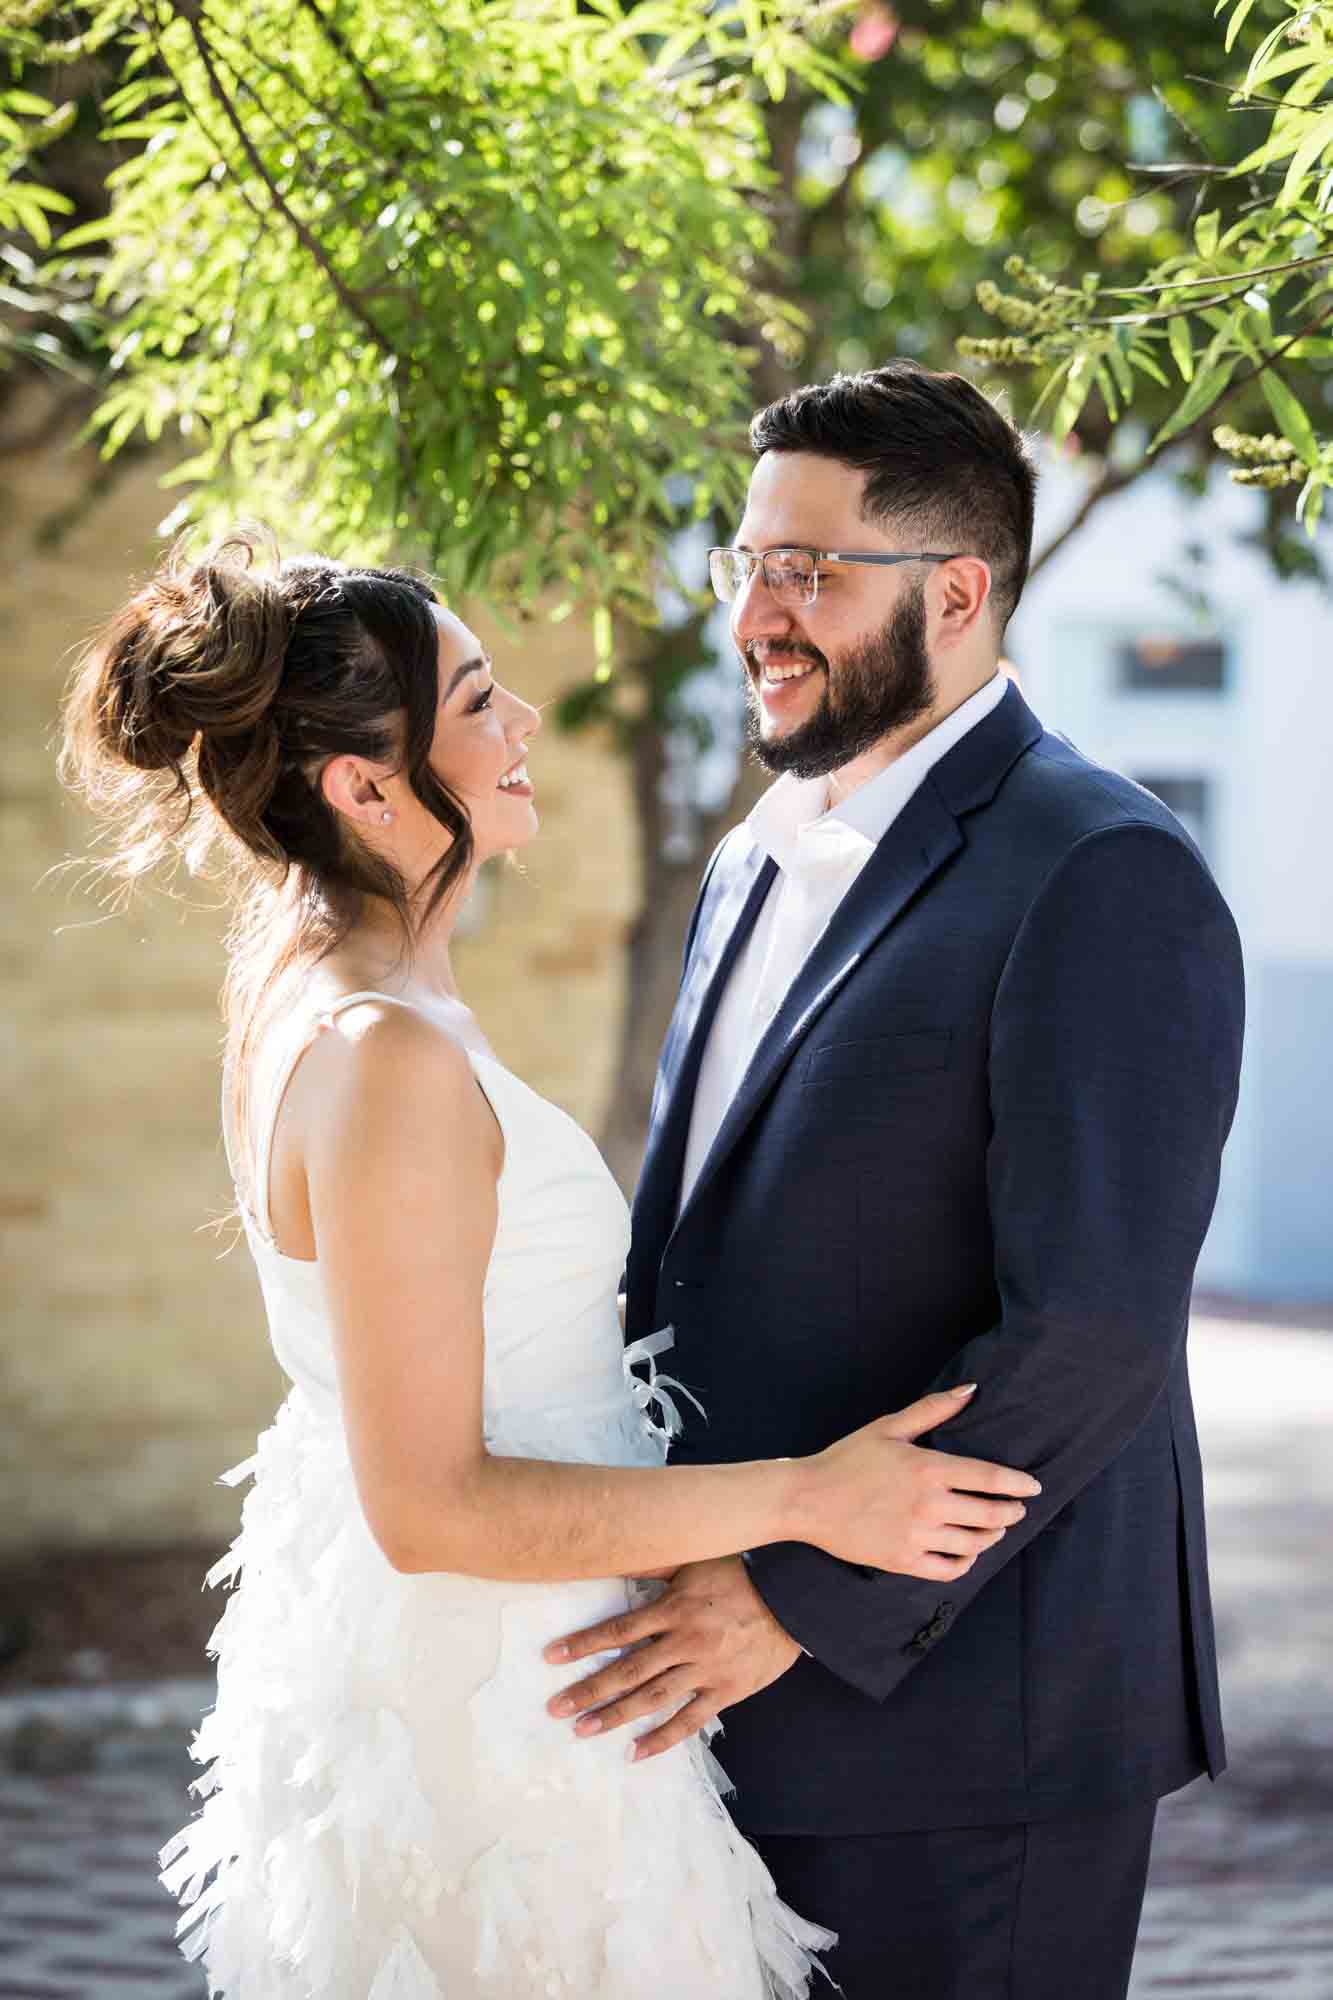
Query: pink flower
point(875, 32)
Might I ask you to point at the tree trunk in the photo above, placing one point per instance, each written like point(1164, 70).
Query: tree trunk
point(668, 886)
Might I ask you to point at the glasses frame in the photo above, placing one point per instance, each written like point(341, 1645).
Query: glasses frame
point(817, 556)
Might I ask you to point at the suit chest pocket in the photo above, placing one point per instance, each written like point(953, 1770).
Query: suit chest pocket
point(878, 1067)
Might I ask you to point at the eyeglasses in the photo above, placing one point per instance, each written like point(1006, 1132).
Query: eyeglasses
point(790, 575)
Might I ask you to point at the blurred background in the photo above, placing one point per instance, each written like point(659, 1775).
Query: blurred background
point(1176, 627)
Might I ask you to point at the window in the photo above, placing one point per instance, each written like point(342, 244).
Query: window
point(1188, 799)
point(1160, 664)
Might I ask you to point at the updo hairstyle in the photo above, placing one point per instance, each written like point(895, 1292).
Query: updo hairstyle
point(210, 704)
point(199, 721)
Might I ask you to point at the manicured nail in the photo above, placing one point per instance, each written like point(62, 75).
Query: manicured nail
point(964, 1389)
point(562, 1706)
point(632, 1755)
point(587, 1725)
point(558, 1650)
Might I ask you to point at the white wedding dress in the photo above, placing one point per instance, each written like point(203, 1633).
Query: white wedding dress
point(389, 1813)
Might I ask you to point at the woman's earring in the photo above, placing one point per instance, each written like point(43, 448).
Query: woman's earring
point(386, 816)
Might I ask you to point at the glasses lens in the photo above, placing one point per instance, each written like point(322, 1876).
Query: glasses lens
point(791, 576)
point(728, 569)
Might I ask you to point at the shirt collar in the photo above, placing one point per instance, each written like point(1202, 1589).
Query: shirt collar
point(793, 817)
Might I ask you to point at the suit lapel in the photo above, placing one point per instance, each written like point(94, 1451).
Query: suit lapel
point(918, 844)
point(722, 935)
point(922, 838)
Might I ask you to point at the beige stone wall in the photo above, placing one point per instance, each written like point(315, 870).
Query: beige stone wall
point(133, 1362)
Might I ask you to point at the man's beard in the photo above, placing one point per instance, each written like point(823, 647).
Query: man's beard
point(880, 686)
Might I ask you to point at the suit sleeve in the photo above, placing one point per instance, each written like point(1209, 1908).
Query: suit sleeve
point(1114, 1062)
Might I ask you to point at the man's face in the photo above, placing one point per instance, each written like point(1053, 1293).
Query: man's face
point(827, 680)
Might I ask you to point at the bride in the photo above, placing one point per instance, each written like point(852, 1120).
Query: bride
point(463, 1467)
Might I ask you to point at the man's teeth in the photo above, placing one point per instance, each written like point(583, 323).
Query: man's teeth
point(518, 776)
point(774, 673)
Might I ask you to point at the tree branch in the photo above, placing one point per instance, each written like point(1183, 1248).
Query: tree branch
point(309, 242)
point(1233, 277)
point(338, 42)
point(1114, 479)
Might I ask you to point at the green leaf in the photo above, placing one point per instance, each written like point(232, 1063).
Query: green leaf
point(1206, 231)
point(1182, 347)
point(1141, 358)
point(1236, 23)
point(603, 642)
point(1078, 385)
point(1315, 143)
point(1107, 387)
point(1290, 413)
point(1203, 392)
point(1119, 365)
point(1310, 504)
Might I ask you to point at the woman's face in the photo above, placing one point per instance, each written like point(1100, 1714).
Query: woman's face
point(481, 734)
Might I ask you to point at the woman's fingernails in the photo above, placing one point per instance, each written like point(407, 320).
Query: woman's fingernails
point(964, 1389)
point(557, 1651)
point(588, 1725)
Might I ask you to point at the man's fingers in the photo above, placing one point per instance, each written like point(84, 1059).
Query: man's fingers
point(664, 1692)
point(609, 1682)
point(970, 1542)
point(626, 1629)
point(978, 1475)
point(939, 1568)
point(695, 1715)
point(965, 1510)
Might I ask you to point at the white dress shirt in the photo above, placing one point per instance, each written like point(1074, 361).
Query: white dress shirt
point(819, 854)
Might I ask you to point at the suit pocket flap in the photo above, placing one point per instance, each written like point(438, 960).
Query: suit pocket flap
point(880, 1056)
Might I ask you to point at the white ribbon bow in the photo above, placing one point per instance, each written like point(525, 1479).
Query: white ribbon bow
point(654, 1389)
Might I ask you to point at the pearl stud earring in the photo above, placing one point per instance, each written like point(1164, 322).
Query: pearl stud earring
point(386, 816)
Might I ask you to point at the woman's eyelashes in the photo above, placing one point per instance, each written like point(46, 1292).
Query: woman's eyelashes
point(483, 700)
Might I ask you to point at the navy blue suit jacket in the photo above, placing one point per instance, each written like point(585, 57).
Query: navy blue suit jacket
point(979, 1141)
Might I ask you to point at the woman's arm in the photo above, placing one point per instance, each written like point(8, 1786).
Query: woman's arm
point(401, 1155)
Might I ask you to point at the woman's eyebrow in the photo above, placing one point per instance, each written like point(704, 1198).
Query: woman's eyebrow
point(474, 666)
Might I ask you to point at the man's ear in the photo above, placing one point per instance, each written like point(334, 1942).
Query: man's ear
point(963, 588)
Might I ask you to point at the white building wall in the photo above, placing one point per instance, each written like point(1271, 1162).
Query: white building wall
point(1263, 744)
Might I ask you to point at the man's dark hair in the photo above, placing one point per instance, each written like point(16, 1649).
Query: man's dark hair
point(939, 458)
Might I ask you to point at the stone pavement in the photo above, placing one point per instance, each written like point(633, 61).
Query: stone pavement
point(1240, 1901)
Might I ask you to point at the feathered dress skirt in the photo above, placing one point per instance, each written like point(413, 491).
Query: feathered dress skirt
point(389, 1813)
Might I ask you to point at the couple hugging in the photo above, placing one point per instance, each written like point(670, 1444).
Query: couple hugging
point(934, 1146)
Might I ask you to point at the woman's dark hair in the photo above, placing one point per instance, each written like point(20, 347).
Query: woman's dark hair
point(939, 457)
point(197, 725)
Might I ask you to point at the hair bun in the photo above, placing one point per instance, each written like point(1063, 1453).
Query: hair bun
point(197, 654)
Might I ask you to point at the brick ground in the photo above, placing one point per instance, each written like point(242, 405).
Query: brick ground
point(1240, 1903)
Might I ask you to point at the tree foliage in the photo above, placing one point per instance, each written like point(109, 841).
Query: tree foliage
point(1245, 305)
point(461, 276)
point(29, 124)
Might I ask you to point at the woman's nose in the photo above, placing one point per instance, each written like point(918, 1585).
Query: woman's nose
point(524, 719)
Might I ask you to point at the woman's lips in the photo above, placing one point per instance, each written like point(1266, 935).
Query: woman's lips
point(516, 784)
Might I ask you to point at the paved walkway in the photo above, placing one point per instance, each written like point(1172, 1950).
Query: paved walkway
point(1240, 1902)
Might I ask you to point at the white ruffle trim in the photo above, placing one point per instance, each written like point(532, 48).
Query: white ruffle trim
point(373, 1829)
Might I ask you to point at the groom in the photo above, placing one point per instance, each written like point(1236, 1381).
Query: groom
point(943, 1099)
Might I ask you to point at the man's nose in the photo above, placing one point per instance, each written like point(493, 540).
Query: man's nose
point(756, 613)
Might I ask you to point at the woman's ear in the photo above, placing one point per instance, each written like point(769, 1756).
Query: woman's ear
point(351, 787)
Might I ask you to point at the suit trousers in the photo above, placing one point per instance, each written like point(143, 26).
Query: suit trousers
point(1043, 1911)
